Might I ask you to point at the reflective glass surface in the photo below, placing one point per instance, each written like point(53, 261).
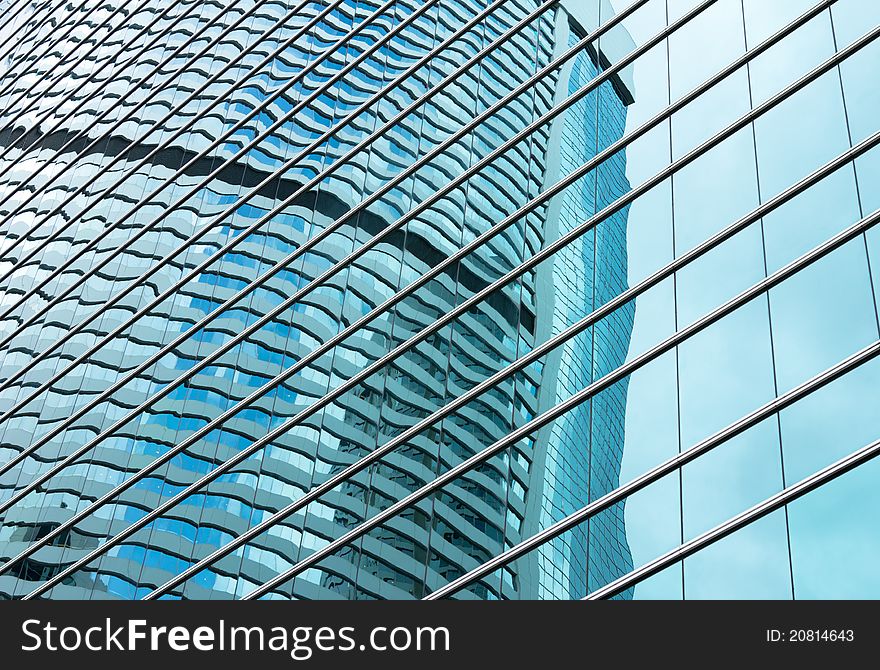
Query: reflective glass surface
point(316, 299)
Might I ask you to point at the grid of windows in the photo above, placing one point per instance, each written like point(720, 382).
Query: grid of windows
point(445, 298)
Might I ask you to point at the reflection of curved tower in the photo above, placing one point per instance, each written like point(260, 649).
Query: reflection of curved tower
point(464, 524)
point(582, 450)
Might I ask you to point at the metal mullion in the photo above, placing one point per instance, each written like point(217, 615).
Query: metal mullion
point(35, 24)
point(437, 151)
point(771, 504)
point(143, 472)
point(742, 122)
point(154, 90)
point(362, 205)
point(327, 134)
point(670, 465)
point(361, 57)
point(56, 105)
point(582, 325)
point(170, 291)
point(10, 20)
point(169, 115)
point(121, 68)
point(601, 384)
point(664, 114)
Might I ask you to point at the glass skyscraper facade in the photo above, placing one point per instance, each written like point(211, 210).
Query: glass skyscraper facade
point(444, 298)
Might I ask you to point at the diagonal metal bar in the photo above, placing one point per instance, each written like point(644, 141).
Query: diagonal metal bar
point(672, 464)
point(171, 114)
point(131, 374)
point(102, 26)
point(34, 26)
point(144, 230)
point(572, 331)
point(167, 389)
point(71, 332)
point(101, 4)
point(374, 47)
point(28, 27)
point(298, 252)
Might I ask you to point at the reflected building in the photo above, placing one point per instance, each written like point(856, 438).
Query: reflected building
point(56, 217)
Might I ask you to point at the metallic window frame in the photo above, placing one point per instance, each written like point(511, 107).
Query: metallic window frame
point(101, 4)
point(593, 389)
point(299, 251)
point(9, 21)
point(35, 26)
point(159, 124)
point(147, 227)
point(309, 244)
point(595, 35)
point(110, 31)
point(96, 267)
point(672, 464)
point(144, 161)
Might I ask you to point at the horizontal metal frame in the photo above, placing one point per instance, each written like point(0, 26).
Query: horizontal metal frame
point(671, 465)
point(143, 473)
point(157, 125)
point(129, 114)
point(309, 244)
point(56, 105)
point(558, 410)
point(149, 226)
point(742, 122)
point(216, 255)
point(66, 9)
point(771, 504)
